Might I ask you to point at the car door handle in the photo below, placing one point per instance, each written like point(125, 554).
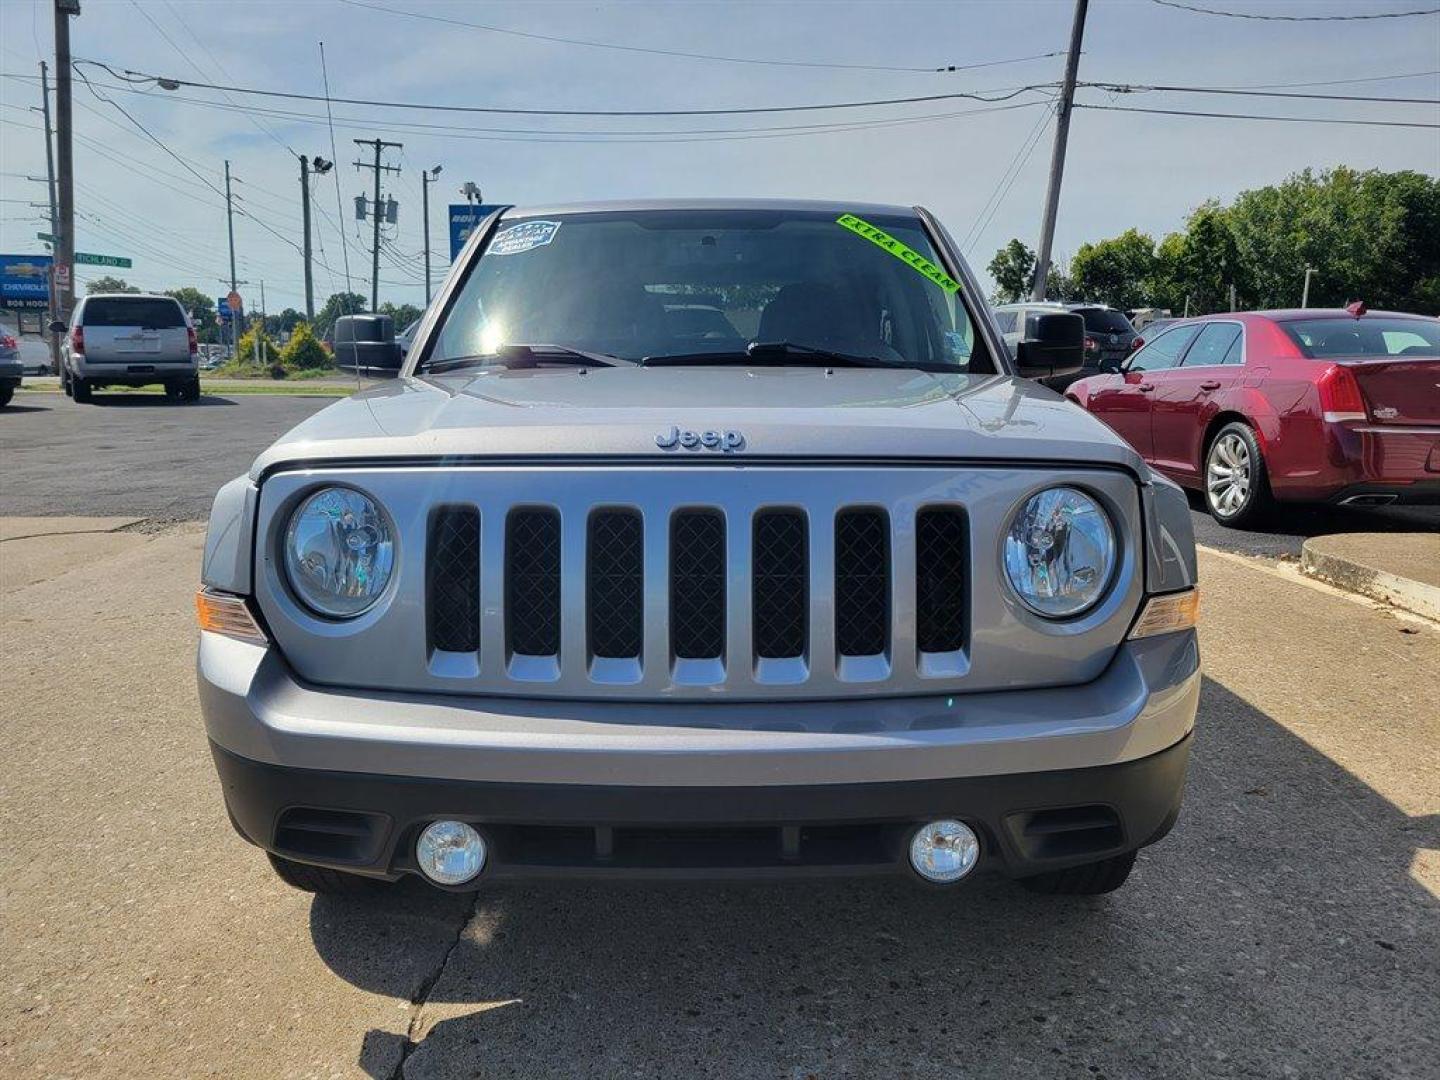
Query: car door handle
point(1213, 384)
point(1145, 387)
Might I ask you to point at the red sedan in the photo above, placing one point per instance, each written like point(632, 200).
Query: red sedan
point(1340, 406)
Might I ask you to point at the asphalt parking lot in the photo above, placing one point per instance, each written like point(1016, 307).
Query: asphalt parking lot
point(136, 454)
point(1289, 926)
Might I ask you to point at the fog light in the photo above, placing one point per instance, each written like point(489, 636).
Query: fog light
point(450, 852)
point(944, 851)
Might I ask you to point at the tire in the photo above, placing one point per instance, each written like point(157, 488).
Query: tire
point(323, 880)
point(1237, 485)
point(1089, 879)
point(6, 393)
point(190, 391)
point(65, 382)
point(80, 390)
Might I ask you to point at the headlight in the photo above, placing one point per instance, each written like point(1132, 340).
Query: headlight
point(1060, 552)
point(339, 551)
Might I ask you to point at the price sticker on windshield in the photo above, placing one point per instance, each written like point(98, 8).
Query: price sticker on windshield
point(526, 236)
point(912, 258)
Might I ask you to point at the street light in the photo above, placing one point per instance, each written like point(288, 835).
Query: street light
point(426, 179)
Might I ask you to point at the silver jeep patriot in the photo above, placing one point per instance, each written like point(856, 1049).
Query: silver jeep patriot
point(704, 538)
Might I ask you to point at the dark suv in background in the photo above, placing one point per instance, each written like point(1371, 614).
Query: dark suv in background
point(1109, 336)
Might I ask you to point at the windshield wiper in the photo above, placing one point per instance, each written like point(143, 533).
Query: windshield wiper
point(520, 355)
point(785, 353)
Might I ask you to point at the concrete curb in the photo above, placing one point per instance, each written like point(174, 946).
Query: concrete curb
point(1354, 574)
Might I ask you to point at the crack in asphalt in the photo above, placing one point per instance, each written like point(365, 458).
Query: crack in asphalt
point(422, 993)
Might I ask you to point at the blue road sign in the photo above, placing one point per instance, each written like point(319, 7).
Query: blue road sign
point(463, 218)
point(222, 308)
point(25, 281)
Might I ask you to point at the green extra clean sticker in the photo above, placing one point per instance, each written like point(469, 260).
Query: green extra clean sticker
point(912, 258)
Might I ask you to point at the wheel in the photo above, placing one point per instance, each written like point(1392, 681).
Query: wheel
point(1237, 488)
point(80, 389)
point(6, 393)
point(65, 382)
point(1090, 879)
point(175, 392)
point(190, 390)
point(323, 880)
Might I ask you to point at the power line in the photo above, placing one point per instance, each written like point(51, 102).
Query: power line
point(1005, 183)
point(1335, 82)
point(1295, 18)
point(568, 135)
point(945, 68)
point(1132, 88)
point(264, 128)
point(1254, 116)
point(128, 75)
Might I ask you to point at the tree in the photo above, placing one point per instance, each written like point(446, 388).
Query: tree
point(109, 284)
point(1210, 262)
point(284, 323)
point(1368, 235)
point(201, 309)
point(1013, 269)
point(1118, 271)
point(303, 351)
point(403, 314)
point(341, 303)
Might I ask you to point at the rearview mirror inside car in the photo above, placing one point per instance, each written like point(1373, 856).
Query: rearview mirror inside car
point(1053, 344)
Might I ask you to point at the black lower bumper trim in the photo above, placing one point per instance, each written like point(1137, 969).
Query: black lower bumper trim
point(1027, 822)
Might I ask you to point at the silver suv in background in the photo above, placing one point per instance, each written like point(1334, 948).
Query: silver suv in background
point(1109, 337)
point(129, 339)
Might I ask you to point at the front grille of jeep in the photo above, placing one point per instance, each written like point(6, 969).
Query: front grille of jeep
point(711, 580)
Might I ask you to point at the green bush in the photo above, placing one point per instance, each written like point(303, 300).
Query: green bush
point(303, 352)
point(245, 353)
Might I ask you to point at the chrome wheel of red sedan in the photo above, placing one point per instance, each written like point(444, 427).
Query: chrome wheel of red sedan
point(1235, 489)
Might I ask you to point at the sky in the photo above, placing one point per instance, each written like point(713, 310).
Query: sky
point(983, 174)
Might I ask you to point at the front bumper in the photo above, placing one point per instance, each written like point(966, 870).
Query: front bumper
point(1048, 777)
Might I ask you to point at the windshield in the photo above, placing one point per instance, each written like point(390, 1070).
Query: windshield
point(1104, 321)
point(708, 284)
point(1368, 336)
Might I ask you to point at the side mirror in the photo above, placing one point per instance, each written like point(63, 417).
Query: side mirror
point(1053, 344)
point(57, 326)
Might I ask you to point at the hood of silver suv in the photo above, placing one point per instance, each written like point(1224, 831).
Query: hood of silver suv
point(755, 413)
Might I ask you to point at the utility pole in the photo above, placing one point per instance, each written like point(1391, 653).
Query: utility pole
point(1232, 296)
point(375, 211)
point(230, 228)
point(321, 167)
point(427, 177)
point(1057, 154)
point(64, 269)
point(305, 214)
point(54, 311)
point(1305, 294)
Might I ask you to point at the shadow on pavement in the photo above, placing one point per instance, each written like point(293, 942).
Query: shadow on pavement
point(1277, 931)
point(145, 401)
point(12, 408)
point(1319, 519)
